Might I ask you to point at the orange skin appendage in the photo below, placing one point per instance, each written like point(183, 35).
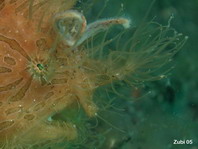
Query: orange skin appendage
point(34, 85)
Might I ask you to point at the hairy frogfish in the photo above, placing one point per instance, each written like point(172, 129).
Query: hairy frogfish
point(45, 67)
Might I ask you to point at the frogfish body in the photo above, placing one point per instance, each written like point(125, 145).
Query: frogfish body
point(34, 82)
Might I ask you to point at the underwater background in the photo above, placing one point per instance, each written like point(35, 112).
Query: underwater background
point(155, 114)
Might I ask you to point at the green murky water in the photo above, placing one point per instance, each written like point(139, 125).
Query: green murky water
point(161, 114)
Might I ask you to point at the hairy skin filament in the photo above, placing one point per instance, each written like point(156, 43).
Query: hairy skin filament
point(76, 33)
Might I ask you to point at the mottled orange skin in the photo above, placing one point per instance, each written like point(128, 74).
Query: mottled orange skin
point(26, 105)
